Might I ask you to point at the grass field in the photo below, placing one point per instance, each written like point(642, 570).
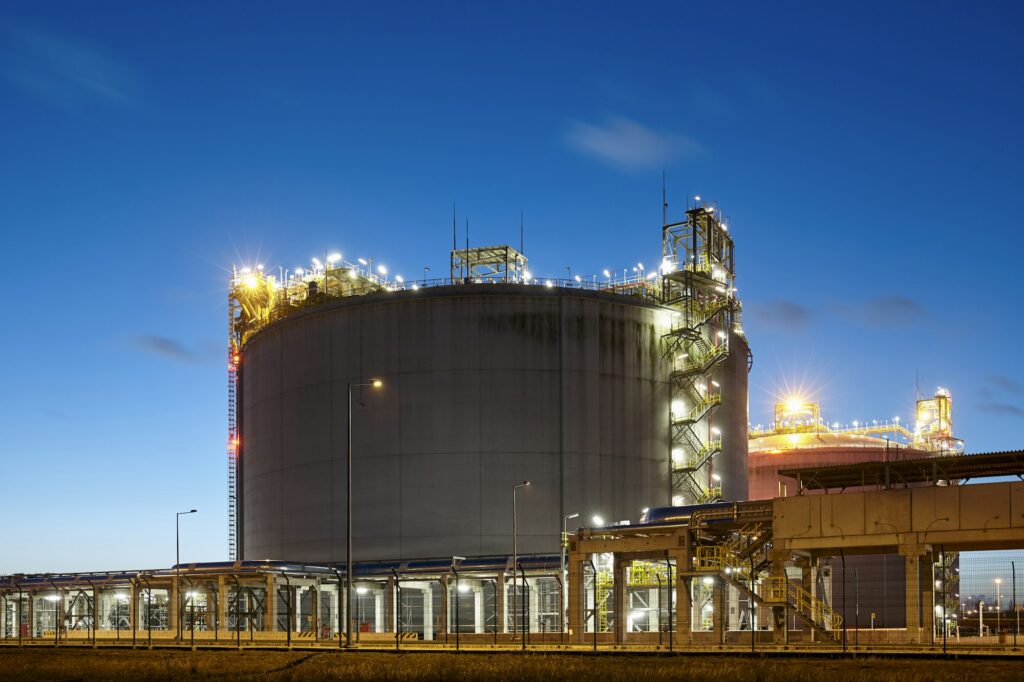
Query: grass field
point(70, 664)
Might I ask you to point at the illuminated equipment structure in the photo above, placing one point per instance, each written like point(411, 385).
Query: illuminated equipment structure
point(932, 432)
point(488, 264)
point(709, 359)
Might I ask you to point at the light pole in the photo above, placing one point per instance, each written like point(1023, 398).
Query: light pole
point(376, 383)
point(565, 594)
point(177, 562)
point(455, 570)
point(999, 603)
point(515, 558)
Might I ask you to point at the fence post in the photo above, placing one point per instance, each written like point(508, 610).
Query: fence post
point(1016, 611)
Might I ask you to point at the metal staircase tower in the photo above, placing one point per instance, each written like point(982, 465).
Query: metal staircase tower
point(698, 275)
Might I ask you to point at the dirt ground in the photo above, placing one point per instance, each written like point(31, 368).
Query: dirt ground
point(70, 664)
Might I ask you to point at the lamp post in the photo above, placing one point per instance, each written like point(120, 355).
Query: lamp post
point(376, 383)
point(515, 557)
point(561, 566)
point(455, 570)
point(177, 561)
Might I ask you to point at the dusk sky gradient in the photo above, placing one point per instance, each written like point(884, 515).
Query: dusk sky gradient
point(868, 155)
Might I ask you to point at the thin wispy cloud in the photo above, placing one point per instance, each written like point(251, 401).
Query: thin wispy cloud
point(627, 145)
point(781, 315)
point(65, 71)
point(1005, 383)
point(167, 348)
point(1004, 409)
point(886, 311)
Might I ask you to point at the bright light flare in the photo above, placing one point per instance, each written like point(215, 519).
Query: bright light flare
point(795, 405)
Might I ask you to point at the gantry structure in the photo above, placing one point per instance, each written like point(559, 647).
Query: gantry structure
point(697, 282)
point(481, 264)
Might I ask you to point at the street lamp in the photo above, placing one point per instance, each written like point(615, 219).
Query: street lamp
point(565, 594)
point(177, 560)
point(515, 558)
point(455, 570)
point(376, 383)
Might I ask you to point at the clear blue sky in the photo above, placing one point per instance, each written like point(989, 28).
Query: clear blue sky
point(869, 156)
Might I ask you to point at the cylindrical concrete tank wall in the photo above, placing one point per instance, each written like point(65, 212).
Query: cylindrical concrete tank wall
point(733, 420)
point(484, 386)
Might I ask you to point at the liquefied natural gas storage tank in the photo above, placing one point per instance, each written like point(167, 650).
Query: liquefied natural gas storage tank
point(484, 386)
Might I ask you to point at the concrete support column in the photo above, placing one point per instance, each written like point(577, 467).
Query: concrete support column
point(389, 623)
point(173, 606)
point(576, 598)
point(478, 609)
point(314, 611)
point(655, 601)
point(133, 605)
point(337, 596)
point(683, 588)
point(533, 604)
point(444, 625)
point(378, 611)
point(719, 610)
point(927, 582)
point(809, 581)
point(270, 605)
point(428, 612)
point(912, 569)
point(100, 611)
point(621, 613)
point(780, 632)
point(732, 600)
point(683, 625)
point(499, 604)
point(223, 603)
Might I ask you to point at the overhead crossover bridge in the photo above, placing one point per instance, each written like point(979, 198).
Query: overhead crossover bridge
point(906, 472)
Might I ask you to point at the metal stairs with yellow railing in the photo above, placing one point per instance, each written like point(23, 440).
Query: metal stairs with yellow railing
point(731, 560)
point(817, 613)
